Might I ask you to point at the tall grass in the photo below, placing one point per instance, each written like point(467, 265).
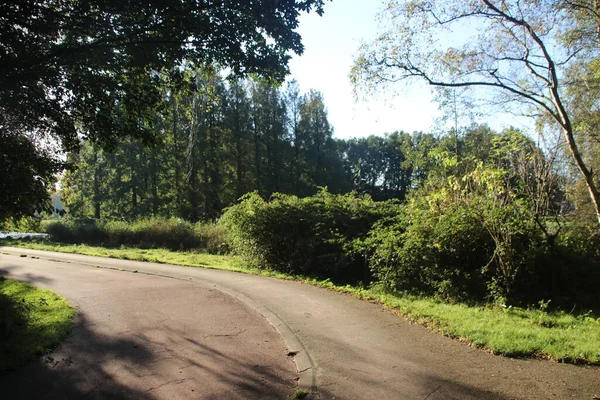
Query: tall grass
point(152, 233)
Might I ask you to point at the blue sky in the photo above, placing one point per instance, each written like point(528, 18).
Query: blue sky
point(331, 42)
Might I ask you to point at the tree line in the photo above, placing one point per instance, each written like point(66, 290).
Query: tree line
point(221, 140)
point(94, 71)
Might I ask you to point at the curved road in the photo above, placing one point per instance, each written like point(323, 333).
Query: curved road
point(346, 348)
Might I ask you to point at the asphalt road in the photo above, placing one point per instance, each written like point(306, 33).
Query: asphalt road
point(344, 347)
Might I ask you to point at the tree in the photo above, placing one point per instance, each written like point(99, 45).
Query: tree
point(269, 120)
point(515, 48)
point(71, 66)
point(294, 103)
point(27, 175)
point(239, 124)
point(95, 69)
point(318, 153)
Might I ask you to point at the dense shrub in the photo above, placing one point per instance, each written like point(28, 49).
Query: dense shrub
point(460, 239)
point(174, 234)
point(422, 252)
point(566, 271)
point(472, 239)
point(25, 224)
point(77, 231)
point(315, 236)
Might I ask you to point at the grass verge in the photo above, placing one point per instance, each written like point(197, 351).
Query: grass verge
point(507, 331)
point(512, 331)
point(32, 321)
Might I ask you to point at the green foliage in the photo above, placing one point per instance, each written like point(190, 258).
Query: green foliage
point(219, 141)
point(566, 272)
point(477, 232)
point(31, 321)
point(315, 236)
point(174, 234)
point(299, 394)
point(461, 238)
point(509, 331)
point(513, 56)
point(390, 166)
point(100, 70)
point(92, 66)
point(27, 176)
point(25, 224)
point(429, 251)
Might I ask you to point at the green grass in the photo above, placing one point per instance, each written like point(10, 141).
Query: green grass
point(32, 321)
point(163, 256)
point(514, 332)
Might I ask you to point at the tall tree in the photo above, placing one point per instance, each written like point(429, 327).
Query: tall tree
point(95, 69)
point(269, 119)
point(317, 148)
point(27, 176)
point(294, 101)
point(513, 49)
point(238, 123)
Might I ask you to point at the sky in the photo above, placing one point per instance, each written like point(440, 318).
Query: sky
point(331, 42)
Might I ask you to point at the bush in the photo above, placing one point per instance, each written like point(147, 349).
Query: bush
point(471, 239)
point(86, 231)
point(566, 271)
point(173, 234)
point(318, 236)
point(25, 224)
point(460, 239)
point(423, 252)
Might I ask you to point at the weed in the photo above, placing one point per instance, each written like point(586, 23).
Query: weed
point(299, 394)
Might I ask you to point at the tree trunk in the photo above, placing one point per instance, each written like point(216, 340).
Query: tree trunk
point(588, 174)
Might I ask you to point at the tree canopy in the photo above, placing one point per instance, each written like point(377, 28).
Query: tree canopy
point(524, 51)
point(96, 69)
point(93, 66)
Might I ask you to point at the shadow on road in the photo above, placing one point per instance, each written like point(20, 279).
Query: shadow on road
point(32, 279)
point(86, 363)
point(73, 370)
point(376, 379)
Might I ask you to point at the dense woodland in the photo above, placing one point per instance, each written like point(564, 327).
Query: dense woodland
point(223, 140)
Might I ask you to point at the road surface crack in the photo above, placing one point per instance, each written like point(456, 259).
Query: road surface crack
point(436, 389)
point(227, 334)
point(176, 382)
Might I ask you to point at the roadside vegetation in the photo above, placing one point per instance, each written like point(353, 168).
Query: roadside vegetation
point(491, 245)
point(152, 233)
point(32, 321)
point(537, 331)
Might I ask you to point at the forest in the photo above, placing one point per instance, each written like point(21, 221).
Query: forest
point(223, 140)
